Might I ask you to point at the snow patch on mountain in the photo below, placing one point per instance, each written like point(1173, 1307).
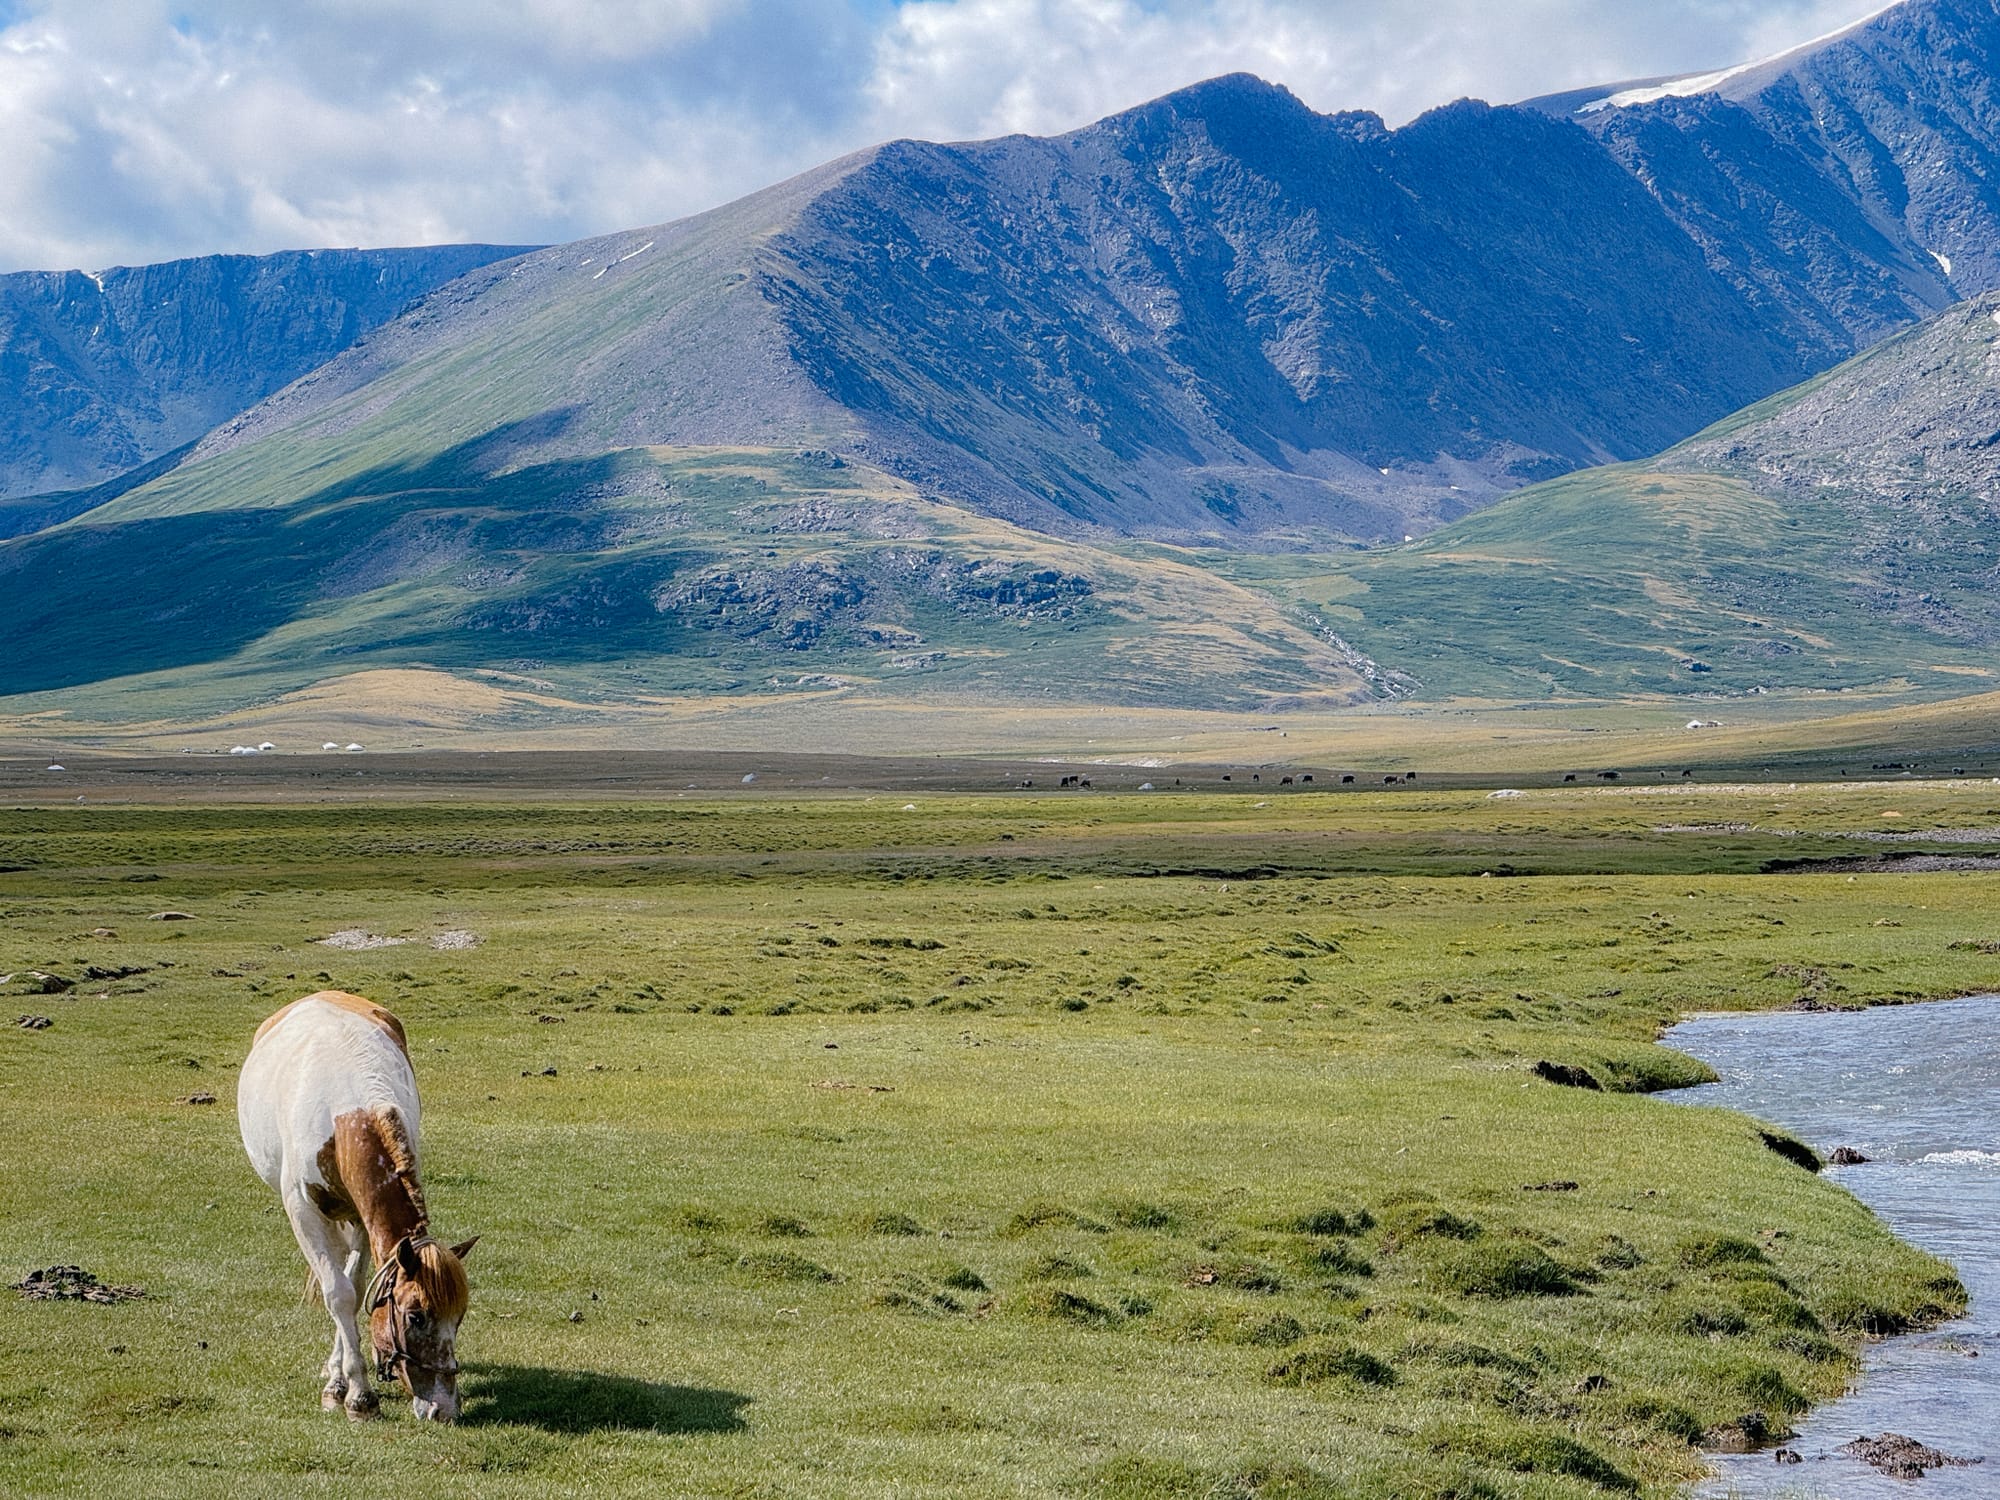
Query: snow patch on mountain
point(1711, 83)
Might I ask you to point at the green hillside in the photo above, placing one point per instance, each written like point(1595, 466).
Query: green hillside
point(1833, 538)
point(635, 573)
point(1839, 535)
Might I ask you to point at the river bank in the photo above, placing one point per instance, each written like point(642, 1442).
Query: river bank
point(1914, 1090)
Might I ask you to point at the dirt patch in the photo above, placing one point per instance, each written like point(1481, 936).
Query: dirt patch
point(1798, 1153)
point(352, 939)
point(1567, 1075)
point(456, 940)
point(72, 1284)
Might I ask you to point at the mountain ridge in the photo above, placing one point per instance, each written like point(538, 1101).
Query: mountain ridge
point(103, 372)
point(1222, 314)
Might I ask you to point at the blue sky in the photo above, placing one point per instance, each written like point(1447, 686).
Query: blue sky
point(138, 130)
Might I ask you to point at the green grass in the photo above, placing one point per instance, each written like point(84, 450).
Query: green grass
point(1606, 584)
point(848, 1199)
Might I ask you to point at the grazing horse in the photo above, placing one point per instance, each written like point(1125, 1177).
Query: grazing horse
point(327, 1103)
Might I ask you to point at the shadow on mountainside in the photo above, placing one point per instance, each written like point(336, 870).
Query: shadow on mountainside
point(97, 600)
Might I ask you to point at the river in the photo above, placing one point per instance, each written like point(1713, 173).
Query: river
point(1916, 1089)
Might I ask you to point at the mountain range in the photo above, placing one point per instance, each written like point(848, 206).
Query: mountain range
point(931, 408)
point(102, 372)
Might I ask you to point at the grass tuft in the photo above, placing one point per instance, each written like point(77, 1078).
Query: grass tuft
point(1056, 1305)
point(1056, 1268)
point(1534, 1450)
point(1707, 1251)
point(1136, 1213)
point(963, 1279)
point(1406, 1223)
point(889, 1222)
point(1335, 1260)
point(1043, 1214)
point(1499, 1268)
point(1347, 1222)
point(1322, 1363)
point(783, 1265)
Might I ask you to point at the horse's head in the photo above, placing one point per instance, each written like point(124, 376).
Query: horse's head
point(415, 1303)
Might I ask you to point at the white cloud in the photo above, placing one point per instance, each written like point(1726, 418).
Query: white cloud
point(984, 67)
point(140, 130)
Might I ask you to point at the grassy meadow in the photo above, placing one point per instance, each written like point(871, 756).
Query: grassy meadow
point(970, 1145)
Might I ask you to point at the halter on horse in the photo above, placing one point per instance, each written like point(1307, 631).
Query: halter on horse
point(414, 1301)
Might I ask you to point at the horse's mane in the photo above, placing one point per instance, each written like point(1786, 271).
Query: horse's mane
point(441, 1275)
point(402, 1158)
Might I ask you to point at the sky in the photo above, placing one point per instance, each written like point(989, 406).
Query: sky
point(143, 130)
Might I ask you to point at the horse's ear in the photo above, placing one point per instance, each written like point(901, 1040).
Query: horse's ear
point(464, 1247)
point(406, 1257)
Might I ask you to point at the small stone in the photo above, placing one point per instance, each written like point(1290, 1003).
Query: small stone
point(1787, 1456)
point(1846, 1156)
point(576, 1316)
point(202, 1097)
point(171, 916)
point(35, 1023)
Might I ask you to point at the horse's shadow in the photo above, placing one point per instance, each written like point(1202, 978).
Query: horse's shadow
point(580, 1401)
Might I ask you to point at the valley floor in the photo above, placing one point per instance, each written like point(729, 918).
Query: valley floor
point(938, 1144)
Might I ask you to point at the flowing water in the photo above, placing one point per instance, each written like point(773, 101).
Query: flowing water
point(1916, 1089)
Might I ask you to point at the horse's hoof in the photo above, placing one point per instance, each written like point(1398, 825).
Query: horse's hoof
point(331, 1399)
point(363, 1408)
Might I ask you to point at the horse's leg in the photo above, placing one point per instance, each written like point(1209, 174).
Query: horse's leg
point(333, 1395)
point(324, 1244)
point(354, 1266)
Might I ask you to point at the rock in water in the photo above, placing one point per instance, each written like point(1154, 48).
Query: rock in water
point(1901, 1457)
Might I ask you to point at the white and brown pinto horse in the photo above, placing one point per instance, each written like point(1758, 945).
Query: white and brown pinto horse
point(327, 1104)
